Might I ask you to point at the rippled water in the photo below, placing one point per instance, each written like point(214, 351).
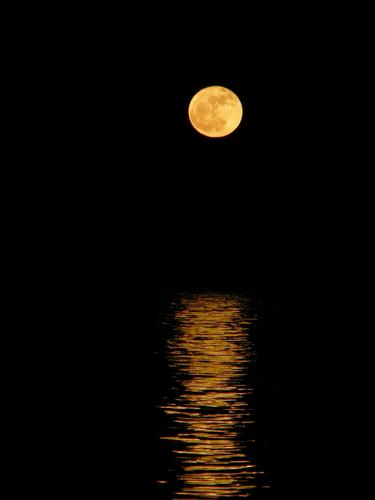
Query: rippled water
point(208, 405)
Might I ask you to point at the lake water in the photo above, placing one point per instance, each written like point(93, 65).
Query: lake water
point(209, 438)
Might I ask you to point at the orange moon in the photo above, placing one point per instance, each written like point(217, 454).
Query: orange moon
point(215, 111)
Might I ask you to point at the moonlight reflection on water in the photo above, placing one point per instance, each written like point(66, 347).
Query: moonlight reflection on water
point(209, 409)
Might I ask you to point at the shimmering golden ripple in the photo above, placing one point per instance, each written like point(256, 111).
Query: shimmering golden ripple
point(210, 353)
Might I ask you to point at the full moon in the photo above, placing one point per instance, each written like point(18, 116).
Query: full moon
point(215, 111)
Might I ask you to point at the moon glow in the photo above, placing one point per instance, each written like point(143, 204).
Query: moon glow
point(215, 111)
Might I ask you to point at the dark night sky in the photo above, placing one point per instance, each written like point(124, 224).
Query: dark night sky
point(182, 207)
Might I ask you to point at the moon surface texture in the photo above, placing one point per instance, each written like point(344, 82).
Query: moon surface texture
point(215, 111)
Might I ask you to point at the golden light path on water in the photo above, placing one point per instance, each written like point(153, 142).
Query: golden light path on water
point(210, 353)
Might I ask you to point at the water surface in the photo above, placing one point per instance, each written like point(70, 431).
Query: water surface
point(208, 435)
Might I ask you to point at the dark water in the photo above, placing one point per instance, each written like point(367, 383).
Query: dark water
point(209, 439)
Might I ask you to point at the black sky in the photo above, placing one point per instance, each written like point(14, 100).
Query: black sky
point(182, 207)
